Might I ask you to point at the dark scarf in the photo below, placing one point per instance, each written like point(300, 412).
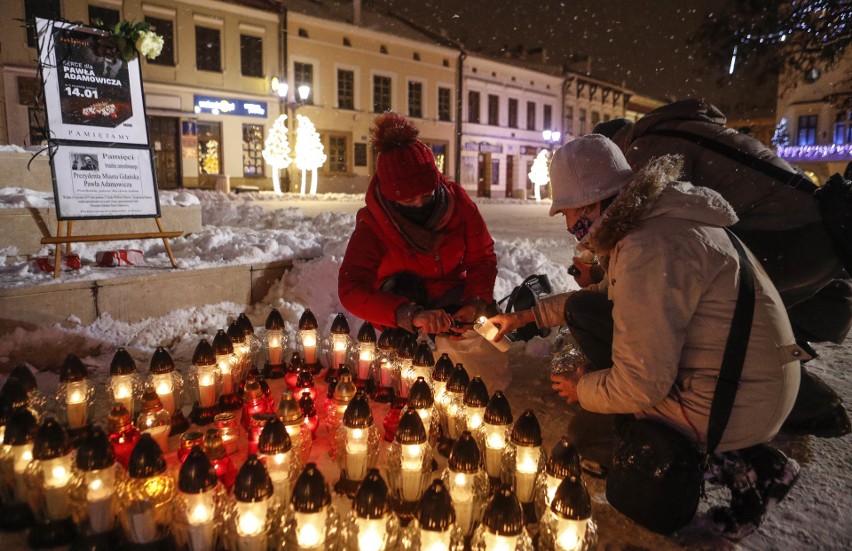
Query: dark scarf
point(423, 238)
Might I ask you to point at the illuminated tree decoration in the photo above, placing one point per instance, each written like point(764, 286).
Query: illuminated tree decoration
point(276, 150)
point(539, 173)
point(209, 152)
point(309, 151)
point(781, 138)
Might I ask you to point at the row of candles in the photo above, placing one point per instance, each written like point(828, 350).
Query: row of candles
point(436, 406)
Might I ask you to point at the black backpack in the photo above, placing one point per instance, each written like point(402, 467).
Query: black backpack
point(524, 297)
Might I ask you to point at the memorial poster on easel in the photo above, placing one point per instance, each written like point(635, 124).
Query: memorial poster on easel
point(97, 132)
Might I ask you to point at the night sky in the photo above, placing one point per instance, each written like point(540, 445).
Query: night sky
point(642, 43)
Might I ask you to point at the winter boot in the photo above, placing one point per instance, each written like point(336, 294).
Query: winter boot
point(758, 477)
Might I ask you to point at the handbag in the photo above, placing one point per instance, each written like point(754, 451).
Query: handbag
point(657, 474)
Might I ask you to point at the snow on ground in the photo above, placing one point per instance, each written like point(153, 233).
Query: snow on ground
point(262, 228)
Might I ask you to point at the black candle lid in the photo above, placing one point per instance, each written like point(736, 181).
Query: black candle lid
point(51, 440)
point(423, 356)
point(222, 343)
point(443, 367)
point(387, 340)
point(25, 377)
point(5, 411)
point(563, 460)
point(161, 361)
point(310, 492)
point(274, 438)
point(253, 482)
point(571, 500)
point(435, 510)
point(367, 333)
point(498, 411)
point(503, 514)
point(21, 428)
point(197, 473)
point(274, 321)
point(245, 324)
point(146, 459)
point(304, 379)
point(408, 347)
point(358, 414)
point(459, 380)
point(235, 332)
point(307, 405)
point(14, 393)
point(340, 325)
point(95, 451)
point(122, 363)
point(527, 431)
point(203, 354)
point(465, 456)
point(308, 321)
point(420, 394)
point(410, 429)
point(72, 370)
point(372, 500)
point(476, 394)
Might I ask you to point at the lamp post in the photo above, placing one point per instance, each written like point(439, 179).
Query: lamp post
point(287, 107)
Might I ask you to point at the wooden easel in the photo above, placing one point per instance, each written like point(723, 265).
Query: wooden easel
point(68, 239)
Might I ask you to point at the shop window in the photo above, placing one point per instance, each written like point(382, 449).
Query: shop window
point(337, 161)
point(415, 99)
point(46, 9)
point(104, 16)
point(251, 56)
point(806, 134)
point(208, 49)
point(439, 151)
point(303, 74)
point(513, 113)
point(493, 110)
point(843, 128)
point(345, 89)
point(473, 107)
point(444, 104)
point(252, 148)
point(210, 148)
point(166, 29)
point(381, 94)
point(530, 115)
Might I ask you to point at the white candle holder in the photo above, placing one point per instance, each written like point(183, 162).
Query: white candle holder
point(311, 522)
point(466, 482)
point(124, 386)
point(356, 445)
point(409, 463)
point(434, 525)
point(205, 382)
point(199, 504)
point(93, 485)
point(523, 460)
point(308, 341)
point(493, 435)
point(145, 496)
point(252, 510)
point(568, 526)
point(75, 396)
point(169, 386)
point(371, 524)
point(502, 527)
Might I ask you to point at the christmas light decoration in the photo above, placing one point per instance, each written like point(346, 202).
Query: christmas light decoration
point(540, 172)
point(276, 150)
point(198, 504)
point(124, 385)
point(205, 380)
point(145, 496)
point(816, 153)
point(168, 384)
point(309, 151)
point(226, 361)
point(466, 481)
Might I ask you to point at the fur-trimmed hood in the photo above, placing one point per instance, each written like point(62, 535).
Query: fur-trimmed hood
point(656, 192)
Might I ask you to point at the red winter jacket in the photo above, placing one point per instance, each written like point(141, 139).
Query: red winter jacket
point(376, 250)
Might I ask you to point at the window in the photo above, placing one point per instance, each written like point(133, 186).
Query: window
point(493, 110)
point(530, 115)
point(416, 56)
point(495, 172)
point(582, 130)
point(415, 99)
point(252, 147)
point(596, 118)
point(208, 49)
point(513, 113)
point(46, 9)
point(37, 125)
point(347, 42)
point(166, 29)
point(843, 128)
point(336, 153)
point(569, 120)
point(251, 56)
point(807, 130)
point(473, 107)
point(383, 49)
point(303, 33)
point(105, 16)
point(548, 117)
point(381, 94)
point(210, 148)
point(345, 89)
point(303, 74)
point(360, 154)
point(444, 104)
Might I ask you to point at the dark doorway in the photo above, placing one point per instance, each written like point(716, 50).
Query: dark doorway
point(164, 135)
point(510, 175)
point(483, 175)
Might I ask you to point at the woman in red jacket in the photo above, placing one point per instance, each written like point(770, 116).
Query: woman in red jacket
point(420, 256)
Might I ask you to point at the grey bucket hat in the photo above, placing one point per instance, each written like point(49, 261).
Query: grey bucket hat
point(585, 171)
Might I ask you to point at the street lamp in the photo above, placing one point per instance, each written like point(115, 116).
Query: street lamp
point(552, 137)
point(282, 89)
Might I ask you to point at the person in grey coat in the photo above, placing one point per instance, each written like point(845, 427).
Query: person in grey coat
point(781, 225)
point(671, 287)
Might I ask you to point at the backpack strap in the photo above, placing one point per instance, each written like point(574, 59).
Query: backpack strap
point(792, 179)
point(735, 351)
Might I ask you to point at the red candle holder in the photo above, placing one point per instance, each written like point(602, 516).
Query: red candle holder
point(293, 369)
point(214, 448)
point(254, 401)
point(188, 440)
point(122, 434)
point(391, 420)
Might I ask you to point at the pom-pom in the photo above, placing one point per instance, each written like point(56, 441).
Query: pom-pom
point(391, 131)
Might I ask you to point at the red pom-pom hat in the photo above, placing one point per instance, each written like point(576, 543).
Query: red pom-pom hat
point(405, 166)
